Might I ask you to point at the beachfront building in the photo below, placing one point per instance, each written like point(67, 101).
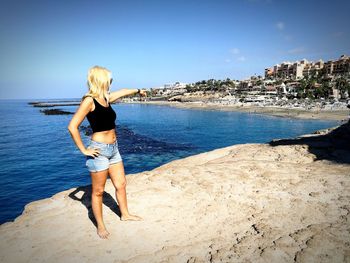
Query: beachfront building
point(282, 88)
point(338, 67)
point(175, 88)
point(157, 91)
point(268, 73)
point(313, 69)
point(304, 69)
point(292, 87)
point(287, 70)
point(246, 86)
point(335, 94)
point(270, 89)
point(170, 89)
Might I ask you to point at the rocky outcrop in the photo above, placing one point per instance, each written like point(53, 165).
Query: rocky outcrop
point(284, 201)
point(56, 112)
point(195, 97)
point(47, 104)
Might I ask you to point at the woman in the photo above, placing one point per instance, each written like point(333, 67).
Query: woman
point(102, 154)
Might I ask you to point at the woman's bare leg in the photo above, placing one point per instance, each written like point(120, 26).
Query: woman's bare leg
point(98, 185)
point(117, 174)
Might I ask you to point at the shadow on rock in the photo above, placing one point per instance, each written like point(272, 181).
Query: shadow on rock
point(330, 144)
point(85, 199)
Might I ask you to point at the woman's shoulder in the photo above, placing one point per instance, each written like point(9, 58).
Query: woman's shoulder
point(89, 101)
point(88, 98)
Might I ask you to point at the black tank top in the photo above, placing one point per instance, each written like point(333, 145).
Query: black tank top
point(102, 118)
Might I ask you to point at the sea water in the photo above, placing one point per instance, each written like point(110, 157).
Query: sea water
point(39, 158)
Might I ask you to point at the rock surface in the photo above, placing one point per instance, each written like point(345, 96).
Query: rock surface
point(56, 112)
point(284, 201)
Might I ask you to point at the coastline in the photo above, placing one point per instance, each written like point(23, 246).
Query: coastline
point(338, 115)
point(282, 201)
point(278, 111)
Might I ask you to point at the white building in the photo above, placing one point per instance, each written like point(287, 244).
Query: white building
point(171, 89)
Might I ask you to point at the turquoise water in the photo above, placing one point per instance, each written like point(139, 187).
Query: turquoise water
point(39, 158)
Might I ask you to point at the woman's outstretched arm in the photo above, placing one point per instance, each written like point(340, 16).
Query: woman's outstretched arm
point(113, 96)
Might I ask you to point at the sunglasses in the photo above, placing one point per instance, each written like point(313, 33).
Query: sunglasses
point(110, 81)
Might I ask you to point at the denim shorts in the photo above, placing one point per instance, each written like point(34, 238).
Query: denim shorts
point(109, 154)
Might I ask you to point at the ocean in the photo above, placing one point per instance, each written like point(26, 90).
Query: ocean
point(39, 158)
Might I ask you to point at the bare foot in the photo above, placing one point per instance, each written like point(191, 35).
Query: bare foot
point(103, 233)
point(131, 218)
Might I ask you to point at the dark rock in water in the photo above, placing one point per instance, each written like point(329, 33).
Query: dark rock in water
point(33, 102)
point(55, 112)
point(47, 104)
point(43, 106)
point(86, 130)
point(130, 142)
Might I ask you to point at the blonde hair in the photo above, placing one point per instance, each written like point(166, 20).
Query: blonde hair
point(98, 81)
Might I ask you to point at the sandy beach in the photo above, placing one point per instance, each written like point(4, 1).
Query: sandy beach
point(274, 111)
point(283, 201)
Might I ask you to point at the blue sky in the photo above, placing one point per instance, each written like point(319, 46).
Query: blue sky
point(47, 47)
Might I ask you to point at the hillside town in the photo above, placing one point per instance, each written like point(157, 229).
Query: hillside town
point(301, 84)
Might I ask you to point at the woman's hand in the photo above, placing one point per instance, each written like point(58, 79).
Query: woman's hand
point(91, 152)
point(143, 92)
